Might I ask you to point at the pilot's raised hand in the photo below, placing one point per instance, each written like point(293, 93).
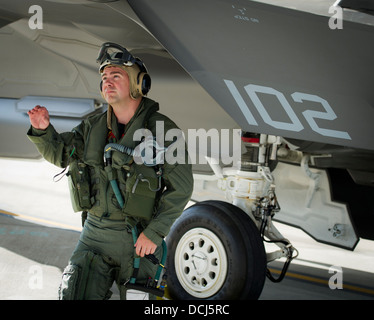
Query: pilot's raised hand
point(39, 117)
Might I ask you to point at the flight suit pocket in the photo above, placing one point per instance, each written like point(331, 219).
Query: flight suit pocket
point(68, 287)
point(79, 186)
point(141, 190)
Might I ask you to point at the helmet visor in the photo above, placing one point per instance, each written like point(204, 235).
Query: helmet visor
point(112, 53)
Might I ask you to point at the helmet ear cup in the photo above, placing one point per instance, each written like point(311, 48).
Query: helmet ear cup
point(143, 83)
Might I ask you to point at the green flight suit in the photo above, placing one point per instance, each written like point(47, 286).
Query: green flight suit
point(154, 197)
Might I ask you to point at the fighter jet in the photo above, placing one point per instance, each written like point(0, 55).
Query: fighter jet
point(275, 100)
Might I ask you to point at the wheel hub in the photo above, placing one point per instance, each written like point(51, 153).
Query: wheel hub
point(201, 262)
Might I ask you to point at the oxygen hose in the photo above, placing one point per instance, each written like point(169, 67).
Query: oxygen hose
point(115, 188)
point(150, 153)
point(118, 147)
point(108, 167)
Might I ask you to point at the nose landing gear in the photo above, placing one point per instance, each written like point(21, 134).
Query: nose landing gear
point(216, 248)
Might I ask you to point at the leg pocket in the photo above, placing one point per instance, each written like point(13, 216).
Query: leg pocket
point(87, 277)
point(70, 279)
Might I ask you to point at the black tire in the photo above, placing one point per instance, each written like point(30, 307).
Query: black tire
point(225, 259)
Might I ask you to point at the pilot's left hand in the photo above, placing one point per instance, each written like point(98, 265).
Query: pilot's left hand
point(144, 246)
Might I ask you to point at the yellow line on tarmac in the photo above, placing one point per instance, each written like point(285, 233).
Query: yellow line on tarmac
point(39, 220)
point(323, 281)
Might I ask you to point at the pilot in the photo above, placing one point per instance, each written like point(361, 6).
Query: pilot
point(153, 196)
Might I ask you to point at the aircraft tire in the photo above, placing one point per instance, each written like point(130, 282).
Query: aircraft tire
point(215, 252)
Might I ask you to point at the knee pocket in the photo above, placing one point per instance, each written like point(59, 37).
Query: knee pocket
point(69, 282)
point(87, 276)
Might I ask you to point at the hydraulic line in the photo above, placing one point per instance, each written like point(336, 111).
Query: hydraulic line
point(287, 245)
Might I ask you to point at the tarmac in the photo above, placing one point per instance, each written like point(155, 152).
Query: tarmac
point(36, 243)
point(32, 258)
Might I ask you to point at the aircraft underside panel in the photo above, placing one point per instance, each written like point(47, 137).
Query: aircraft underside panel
point(274, 70)
point(311, 206)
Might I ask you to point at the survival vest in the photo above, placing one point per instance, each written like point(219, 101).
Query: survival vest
point(138, 184)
